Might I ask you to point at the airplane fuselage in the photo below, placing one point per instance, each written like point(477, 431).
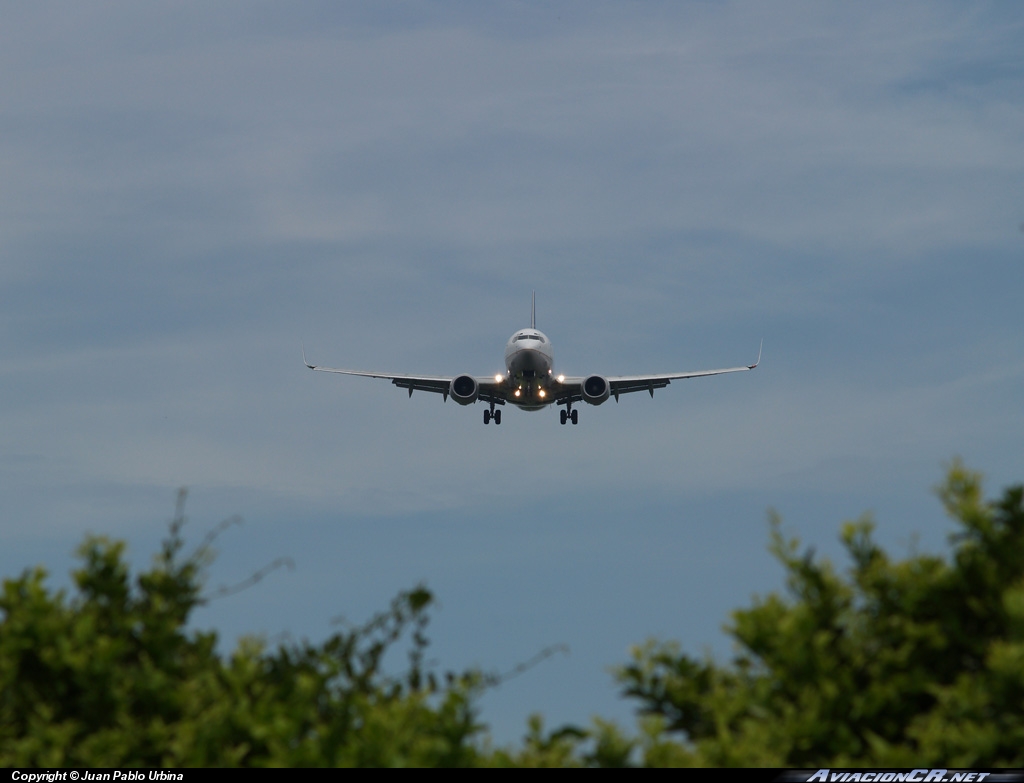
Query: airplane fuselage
point(529, 363)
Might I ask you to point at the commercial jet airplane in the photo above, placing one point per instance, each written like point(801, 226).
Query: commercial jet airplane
point(529, 381)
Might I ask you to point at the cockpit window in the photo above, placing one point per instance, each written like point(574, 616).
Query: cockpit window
point(530, 337)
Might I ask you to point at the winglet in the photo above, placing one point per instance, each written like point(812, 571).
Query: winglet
point(310, 366)
point(752, 366)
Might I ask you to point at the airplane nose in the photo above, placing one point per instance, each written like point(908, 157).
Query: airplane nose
point(525, 361)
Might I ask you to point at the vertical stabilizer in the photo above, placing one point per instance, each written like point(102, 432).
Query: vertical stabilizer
point(533, 312)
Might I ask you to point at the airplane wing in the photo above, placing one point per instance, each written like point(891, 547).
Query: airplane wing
point(624, 384)
point(440, 384)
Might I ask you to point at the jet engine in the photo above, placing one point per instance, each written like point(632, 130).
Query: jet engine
point(595, 389)
point(464, 389)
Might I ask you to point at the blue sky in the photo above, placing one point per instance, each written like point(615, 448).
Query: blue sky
point(188, 192)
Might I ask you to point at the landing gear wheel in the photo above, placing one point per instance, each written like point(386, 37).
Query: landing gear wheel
point(563, 416)
point(487, 417)
point(497, 417)
point(575, 417)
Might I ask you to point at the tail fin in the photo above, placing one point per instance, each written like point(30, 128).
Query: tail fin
point(533, 314)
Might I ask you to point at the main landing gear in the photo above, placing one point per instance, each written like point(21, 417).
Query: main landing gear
point(492, 414)
point(568, 414)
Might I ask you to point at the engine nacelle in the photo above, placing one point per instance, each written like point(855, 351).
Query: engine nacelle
point(595, 389)
point(464, 389)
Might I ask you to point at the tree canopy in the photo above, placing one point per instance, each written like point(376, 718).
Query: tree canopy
point(892, 662)
point(112, 677)
point(896, 663)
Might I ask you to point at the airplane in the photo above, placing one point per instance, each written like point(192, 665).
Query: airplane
point(529, 382)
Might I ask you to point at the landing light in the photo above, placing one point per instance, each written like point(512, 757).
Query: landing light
point(517, 392)
point(561, 379)
point(541, 393)
point(497, 379)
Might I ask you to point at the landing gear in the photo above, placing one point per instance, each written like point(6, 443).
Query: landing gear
point(492, 414)
point(569, 415)
point(575, 415)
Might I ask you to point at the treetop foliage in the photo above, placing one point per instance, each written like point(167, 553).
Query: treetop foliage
point(893, 662)
point(112, 677)
point(897, 663)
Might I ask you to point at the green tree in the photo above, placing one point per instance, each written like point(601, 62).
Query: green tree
point(896, 662)
point(112, 677)
point(899, 662)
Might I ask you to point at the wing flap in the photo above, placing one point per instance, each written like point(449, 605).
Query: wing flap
point(438, 385)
